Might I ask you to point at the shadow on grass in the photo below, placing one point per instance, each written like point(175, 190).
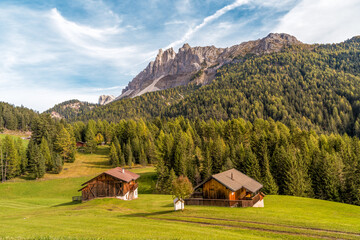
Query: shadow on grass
point(168, 205)
point(99, 164)
point(27, 177)
point(147, 214)
point(67, 204)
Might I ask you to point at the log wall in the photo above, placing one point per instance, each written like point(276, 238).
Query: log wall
point(106, 186)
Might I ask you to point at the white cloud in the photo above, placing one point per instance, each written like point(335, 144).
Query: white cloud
point(322, 21)
point(46, 57)
point(206, 21)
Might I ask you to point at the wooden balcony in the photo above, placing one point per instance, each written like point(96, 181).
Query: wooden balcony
point(223, 202)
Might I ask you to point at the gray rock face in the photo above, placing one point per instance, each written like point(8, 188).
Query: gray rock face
point(105, 99)
point(197, 64)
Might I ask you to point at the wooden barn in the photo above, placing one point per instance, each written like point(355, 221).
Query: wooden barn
point(117, 183)
point(231, 188)
point(80, 144)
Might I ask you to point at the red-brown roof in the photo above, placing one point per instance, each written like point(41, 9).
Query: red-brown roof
point(127, 176)
point(234, 180)
point(118, 173)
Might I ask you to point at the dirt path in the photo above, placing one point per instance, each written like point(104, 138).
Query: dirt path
point(280, 225)
point(247, 228)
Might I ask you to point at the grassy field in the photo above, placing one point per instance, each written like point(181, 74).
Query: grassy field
point(25, 142)
point(43, 210)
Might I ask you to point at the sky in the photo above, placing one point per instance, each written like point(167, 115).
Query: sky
point(56, 50)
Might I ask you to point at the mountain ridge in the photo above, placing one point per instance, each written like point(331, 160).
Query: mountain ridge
point(197, 64)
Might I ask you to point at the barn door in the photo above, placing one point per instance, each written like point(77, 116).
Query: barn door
point(101, 189)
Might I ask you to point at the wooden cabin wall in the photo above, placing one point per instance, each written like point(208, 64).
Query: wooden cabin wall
point(212, 189)
point(105, 186)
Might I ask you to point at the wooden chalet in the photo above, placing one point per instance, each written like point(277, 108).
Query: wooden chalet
point(117, 183)
point(231, 188)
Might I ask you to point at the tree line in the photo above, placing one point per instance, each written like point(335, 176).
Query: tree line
point(286, 160)
point(15, 118)
point(52, 143)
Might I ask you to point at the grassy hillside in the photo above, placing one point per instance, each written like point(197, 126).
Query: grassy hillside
point(43, 210)
point(15, 136)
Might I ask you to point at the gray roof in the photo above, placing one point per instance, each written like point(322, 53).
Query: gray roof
point(238, 181)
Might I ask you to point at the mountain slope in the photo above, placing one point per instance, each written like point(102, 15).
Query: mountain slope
point(314, 86)
point(70, 109)
point(172, 69)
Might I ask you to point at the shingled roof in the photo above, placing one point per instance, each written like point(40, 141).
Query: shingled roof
point(235, 180)
point(119, 173)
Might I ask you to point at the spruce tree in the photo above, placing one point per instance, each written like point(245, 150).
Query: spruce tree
point(57, 163)
point(63, 145)
point(270, 186)
point(142, 160)
point(251, 165)
point(129, 155)
point(36, 161)
point(12, 160)
point(113, 156)
point(45, 151)
point(91, 143)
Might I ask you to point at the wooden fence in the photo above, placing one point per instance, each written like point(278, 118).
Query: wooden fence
point(223, 202)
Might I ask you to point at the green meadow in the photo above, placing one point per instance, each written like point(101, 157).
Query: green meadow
point(43, 209)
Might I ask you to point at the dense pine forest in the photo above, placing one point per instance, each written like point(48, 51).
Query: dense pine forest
point(317, 86)
point(287, 160)
point(15, 118)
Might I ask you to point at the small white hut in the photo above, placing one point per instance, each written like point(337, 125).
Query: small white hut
point(178, 204)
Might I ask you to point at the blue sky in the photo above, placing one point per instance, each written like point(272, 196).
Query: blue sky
point(56, 50)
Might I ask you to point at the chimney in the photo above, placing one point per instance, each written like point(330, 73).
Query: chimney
point(123, 170)
point(232, 176)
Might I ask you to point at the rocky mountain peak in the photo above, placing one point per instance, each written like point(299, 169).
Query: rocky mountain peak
point(105, 99)
point(170, 69)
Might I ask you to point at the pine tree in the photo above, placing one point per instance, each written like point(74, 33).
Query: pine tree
point(270, 186)
point(22, 155)
point(45, 151)
point(57, 163)
point(91, 143)
point(36, 161)
point(251, 165)
point(171, 178)
point(207, 171)
point(99, 138)
point(142, 160)
point(11, 158)
point(113, 156)
point(63, 145)
point(129, 155)
point(297, 182)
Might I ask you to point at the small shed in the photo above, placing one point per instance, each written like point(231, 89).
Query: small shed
point(178, 204)
point(117, 183)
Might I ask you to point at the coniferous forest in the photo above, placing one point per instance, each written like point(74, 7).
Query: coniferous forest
point(317, 86)
point(290, 120)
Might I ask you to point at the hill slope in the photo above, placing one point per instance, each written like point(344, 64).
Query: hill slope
point(70, 109)
point(43, 210)
point(316, 87)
